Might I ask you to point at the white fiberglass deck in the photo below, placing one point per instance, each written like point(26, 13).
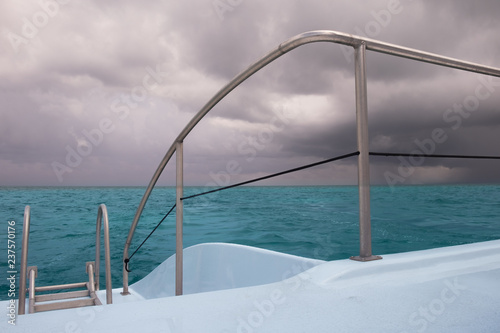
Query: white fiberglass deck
point(453, 289)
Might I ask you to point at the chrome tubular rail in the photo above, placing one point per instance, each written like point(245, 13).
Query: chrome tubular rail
point(21, 306)
point(102, 214)
point(365, 233)
point(33, 273)
point(92, 285)
point(360, 45)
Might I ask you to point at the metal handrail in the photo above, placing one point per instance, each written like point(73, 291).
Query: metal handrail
point(21, 307)
point(91, 285)
point(360, 45)
point(102, 214)
point(33, 273)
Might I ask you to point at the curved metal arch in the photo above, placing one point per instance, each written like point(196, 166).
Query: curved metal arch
point(285, 47)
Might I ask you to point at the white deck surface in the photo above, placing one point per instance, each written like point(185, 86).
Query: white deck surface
point(454, 289)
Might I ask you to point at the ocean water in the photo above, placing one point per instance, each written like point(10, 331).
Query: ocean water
point(316, 222)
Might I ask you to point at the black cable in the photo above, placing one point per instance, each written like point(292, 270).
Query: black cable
point(302, 168)
point(127, 260)
point(435, 155)
point(144, 241)
point(273, 175)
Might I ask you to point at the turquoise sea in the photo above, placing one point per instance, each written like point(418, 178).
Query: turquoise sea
point(316, 222)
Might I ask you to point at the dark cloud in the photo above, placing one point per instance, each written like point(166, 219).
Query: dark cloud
point(115, 82)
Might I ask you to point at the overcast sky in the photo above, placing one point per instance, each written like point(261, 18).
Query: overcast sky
point(94, 92)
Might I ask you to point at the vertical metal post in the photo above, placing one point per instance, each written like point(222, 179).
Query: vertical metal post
point(107, 253)
point(179, 217)
point(102, 215)
point(97, 270)
point(365, 235)
point(33, 273)
point(24, 262)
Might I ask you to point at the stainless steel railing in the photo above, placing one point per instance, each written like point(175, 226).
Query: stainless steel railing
point(360, 45)
point(102, 214)
point(92, 285)
point(21, 306)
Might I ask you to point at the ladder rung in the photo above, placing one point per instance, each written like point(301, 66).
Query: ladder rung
point(59, 296)
point(61, 286)
point(64, 305)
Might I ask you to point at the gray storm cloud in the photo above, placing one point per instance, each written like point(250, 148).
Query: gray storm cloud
point(94, 93)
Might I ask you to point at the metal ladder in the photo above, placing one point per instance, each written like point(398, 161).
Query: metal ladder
point(65, 300)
